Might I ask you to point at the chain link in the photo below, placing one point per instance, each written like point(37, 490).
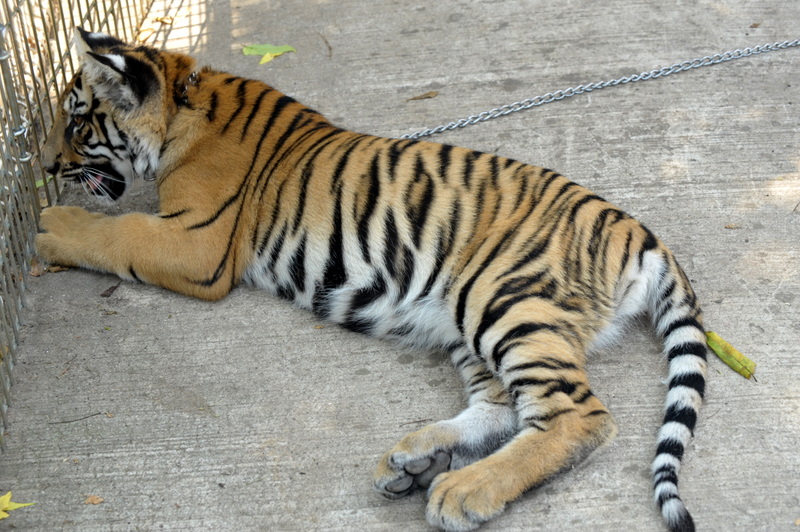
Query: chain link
point(582, 89)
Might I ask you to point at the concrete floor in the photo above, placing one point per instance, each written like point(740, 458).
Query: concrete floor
point(248, 414)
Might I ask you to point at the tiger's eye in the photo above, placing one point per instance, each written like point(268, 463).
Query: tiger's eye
point(78, 120)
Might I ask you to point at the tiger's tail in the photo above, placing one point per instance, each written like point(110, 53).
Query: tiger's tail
point(677, 318)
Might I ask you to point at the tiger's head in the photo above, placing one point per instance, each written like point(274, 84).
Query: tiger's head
point(113, 117)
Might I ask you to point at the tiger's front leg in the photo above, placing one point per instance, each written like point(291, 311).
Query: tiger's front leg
point(138, 247)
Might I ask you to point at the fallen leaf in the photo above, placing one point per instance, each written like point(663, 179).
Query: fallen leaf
point(733, 226)
point(426, 96)
point(93, 499)
point(755, 25)
point(110, 290)
point(6, 505)
point(730, 355)
point(268, 52)
point(41, 182)
point(37, 268)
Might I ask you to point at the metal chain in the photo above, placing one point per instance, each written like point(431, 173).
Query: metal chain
point(582, 89)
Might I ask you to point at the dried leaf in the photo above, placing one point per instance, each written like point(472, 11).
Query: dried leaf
point(6, 505)
point(426, 96)
point(733, 226)
point(730, 355)
point(37, 268)
point(755, 25)
point(93, 499)
point(110, 290)
point(268, 52)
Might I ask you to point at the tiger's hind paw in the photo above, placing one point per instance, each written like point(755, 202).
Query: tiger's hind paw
point(410, 474)
point(416, 460)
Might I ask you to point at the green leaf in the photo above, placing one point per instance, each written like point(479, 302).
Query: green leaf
point(40, 182)
point(730, 355)
point(6, 505)
point(268, 52)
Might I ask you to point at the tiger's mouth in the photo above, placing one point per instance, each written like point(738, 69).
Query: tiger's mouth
point(102, 181)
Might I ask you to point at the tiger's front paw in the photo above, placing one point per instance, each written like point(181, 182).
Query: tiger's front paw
point(66, 231)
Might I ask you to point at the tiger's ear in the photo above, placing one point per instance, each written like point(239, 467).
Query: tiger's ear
point(112, 74)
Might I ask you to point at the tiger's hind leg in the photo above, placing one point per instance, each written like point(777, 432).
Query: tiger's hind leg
point(560, 420)
point(486, 424)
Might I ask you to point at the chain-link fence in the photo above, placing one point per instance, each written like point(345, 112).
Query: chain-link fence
point(35, 65)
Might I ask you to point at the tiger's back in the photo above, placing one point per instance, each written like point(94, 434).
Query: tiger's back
point(514, 270)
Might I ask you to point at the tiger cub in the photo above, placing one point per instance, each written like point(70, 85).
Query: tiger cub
point(514, 270)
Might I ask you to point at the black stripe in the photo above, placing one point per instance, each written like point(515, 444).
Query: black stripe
point(551, 416)
point(690, 380)
point(519, 383)
point(493, 315)
point(211, 114)
point(277, 247)
point(664, 497)
point(241, 93)
point(538, 248)
point(671, 447)
point(444, 247)
point(365, 296)
point(684, 415)
point(254, 111)
point(174, 214)
point(418, 214)
point(335, 274)
point(665, 473)
point(520, 331)
point(580, 203)
point(391, 244)
point(650, 241)
point(396, 149)
point(583, 397)
point(518, 284)
point(469, 165)
point(297, 265)
point(561, 386)
point(445, 152)
point(691, 348)
point(307, 172)
point(407, 275)
point(550, 363)
point(461, 305)
point(683, 322)
point(371, 201)
point(217, 214)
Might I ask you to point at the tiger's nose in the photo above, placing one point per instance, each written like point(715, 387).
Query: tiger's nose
point(52, 168)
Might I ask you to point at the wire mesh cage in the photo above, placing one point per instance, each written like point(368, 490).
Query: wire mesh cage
point(35, 65)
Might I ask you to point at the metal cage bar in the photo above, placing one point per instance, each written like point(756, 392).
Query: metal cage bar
point(35, 66)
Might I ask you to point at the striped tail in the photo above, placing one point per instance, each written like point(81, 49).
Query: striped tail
point(677, 318)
